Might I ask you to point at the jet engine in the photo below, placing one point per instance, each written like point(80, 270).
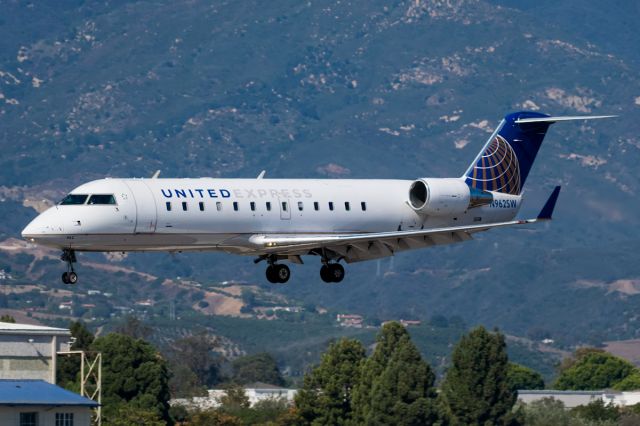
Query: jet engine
point(438, 197)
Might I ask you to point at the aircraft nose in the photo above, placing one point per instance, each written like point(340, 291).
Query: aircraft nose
point(44, 224)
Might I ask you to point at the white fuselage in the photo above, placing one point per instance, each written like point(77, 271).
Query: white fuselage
point(221, 214)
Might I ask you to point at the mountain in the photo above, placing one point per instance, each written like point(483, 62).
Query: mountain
point(382, 89)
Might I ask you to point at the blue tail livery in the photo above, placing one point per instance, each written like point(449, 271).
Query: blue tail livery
point(505, 161)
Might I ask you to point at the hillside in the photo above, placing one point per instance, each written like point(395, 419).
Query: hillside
point(351, 89)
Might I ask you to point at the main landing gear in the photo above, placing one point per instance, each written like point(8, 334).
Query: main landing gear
point(278, 273)
point(69, 277)
point(332, 272)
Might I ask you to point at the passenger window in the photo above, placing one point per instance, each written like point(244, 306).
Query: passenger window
point(331, 205)
point(168, 204)
point(73, 199)
point(102, 199)
point(347, 206)
point(218, 206)
point(201, 205)
point(268, 206)
point(300, 205)
point(284, 206)
point(184, 206)
point(363, 205)
point(316, 206)
point(253, 206)
point(235, 205)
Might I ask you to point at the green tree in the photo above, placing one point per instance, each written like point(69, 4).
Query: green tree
point(257, 368)
point(7, 318)
point(82, 337)
point(594, 370)
point(545, 412)
point(629, 383)
point(476, 386)
point(521, 377)
point(234, 397)
point(596, 411)
point(326, 395)
point(213, 417)
point(184, 383)
point(68, 368)
point(196, 354)
point(131, 326)
point(133, 373)
point(396, 385)
point(124, 414)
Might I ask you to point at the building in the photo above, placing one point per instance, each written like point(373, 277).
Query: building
point(572, 399)
point(255, 392)
point(38, 403)
point(30, 351)
point(350, 320)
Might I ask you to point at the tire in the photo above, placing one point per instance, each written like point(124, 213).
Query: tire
point(336, 271)
point(271, 274)
point(65, 278)
point(325, 274)
point(284, 273)
point(72, 277)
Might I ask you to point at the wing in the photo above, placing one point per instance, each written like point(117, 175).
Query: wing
point(364, 246)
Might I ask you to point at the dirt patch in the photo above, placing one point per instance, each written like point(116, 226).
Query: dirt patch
point(19, 289)
point(220, 304)
point(629, 287)
point(627, 349)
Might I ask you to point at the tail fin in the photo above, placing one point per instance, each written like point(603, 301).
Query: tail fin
point(505, 161)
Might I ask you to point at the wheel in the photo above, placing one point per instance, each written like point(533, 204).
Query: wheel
point(336, 271)
point(325, 274)
point(72, 277)
point(272, 275)
point(65, 278)
point(283, 273)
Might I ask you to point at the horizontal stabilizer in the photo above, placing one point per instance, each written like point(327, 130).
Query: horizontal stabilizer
point(554, 119)
point(547, 210)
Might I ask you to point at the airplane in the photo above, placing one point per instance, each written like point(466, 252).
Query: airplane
point(277, 220)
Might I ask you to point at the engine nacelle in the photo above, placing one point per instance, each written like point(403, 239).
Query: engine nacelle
point(450, 196)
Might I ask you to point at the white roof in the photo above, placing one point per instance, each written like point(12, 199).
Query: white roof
point(11, 328)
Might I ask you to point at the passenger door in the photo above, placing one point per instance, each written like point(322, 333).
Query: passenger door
point(146, 210)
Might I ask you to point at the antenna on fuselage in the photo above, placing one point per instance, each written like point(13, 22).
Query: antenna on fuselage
point(261, 175)
point(156, 174)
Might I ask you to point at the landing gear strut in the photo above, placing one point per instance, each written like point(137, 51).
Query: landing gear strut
point(277, 273)
point(332, 272)
point(69, 277)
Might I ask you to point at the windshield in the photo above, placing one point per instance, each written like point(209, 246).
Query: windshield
point(102, 199)
point(74, 199)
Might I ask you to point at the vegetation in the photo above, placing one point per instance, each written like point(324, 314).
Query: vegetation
point(261, 367)
point(134, 374)
point(476, 387)
point(326, 396)
point(521, 377)
point(592, 368)
point(7, 318)
point(396, 385)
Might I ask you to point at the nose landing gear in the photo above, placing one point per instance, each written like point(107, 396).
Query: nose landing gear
point(69, 277)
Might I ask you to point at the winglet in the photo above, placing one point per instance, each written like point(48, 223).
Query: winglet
point(156, 174)
point(547, 210)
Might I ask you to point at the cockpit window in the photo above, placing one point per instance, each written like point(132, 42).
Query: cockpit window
point(102, 199)
point(74, 199)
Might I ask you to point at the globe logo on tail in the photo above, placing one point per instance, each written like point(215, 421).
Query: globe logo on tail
point(497, 169)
